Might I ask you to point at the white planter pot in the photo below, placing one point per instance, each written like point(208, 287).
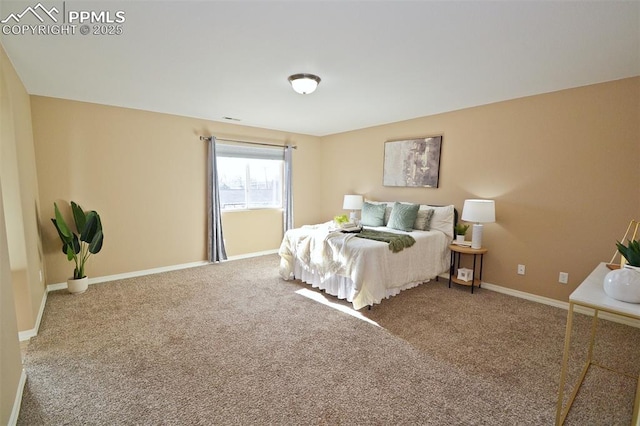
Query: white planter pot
point(77, 286)
point(460, 238)
point(623, 284)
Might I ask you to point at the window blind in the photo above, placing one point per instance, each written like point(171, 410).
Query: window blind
point(239, 151)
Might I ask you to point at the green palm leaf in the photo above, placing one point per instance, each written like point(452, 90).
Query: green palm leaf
point(78, 216)
point(61, 225)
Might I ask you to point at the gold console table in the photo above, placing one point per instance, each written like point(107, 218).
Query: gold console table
point(591, 294)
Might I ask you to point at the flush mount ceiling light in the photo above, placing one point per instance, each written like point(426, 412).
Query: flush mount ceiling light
point(304, 83)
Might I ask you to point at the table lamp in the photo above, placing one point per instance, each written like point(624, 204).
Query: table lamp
point(353, 203)
point(478, 211)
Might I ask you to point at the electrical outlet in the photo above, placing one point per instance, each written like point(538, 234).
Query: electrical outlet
point(520, 269)
point(563, 278)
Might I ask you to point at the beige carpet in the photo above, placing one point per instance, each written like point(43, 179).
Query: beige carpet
point(234, 344)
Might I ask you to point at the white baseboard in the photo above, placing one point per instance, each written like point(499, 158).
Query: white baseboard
point(28, 334)
point(559, 304)
point(107, 278)
point(13, 420)
point(524, 295)
point(256, 254)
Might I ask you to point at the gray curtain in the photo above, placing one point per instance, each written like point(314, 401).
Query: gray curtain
point(288, 188)
point(216, 249)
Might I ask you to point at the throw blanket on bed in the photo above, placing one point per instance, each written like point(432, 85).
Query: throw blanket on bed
point(319, 249)
point(397, 242)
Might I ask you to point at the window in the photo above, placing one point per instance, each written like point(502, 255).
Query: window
point(249, 178)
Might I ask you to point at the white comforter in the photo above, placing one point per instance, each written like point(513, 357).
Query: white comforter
point(362, 271)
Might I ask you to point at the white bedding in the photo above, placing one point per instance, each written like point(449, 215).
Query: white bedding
point(359, 270)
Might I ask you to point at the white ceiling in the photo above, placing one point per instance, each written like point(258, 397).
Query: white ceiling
point(380, 61)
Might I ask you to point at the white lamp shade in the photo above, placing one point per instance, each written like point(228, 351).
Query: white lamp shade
point(304, 83)
point(479, 211)
point(352, 202)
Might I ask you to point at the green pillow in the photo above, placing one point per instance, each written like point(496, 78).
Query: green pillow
point(373, 214)
point(403, 216)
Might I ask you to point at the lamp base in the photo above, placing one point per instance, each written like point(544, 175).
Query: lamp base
point(476, 236)
point(353, 216)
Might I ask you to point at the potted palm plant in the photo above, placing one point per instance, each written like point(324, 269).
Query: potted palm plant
point(79, 244)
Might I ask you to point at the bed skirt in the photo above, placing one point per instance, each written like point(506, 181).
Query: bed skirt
point(340, 286)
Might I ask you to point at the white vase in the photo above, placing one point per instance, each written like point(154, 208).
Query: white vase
point(623, 284)
point(77, 286)
point(460, 238)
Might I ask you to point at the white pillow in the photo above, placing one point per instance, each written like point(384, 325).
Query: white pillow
point(442, 219)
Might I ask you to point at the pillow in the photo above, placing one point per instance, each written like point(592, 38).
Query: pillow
point(423, 219)
point(388, 206)
point(387, 213)
point(373, 214)
point(403, 216)
point(442, 220)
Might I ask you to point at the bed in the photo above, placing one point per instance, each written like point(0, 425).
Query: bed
point(364, 271)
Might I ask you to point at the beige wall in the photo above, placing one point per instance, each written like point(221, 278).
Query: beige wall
point(14, 132)
point(245, 231)
point(562, 167)
point(20, 195)
point(145, 173)
point(10, 362)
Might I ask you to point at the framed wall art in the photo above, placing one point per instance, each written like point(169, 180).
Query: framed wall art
point(412, 162)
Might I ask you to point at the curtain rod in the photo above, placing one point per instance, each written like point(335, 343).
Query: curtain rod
point(208, 138)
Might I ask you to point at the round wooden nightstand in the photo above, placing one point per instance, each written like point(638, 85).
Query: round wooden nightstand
point(456, 252)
